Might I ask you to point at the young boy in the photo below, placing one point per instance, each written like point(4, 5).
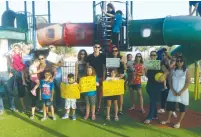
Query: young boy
point(116, 26)
point(47, 89)
point(70, 103)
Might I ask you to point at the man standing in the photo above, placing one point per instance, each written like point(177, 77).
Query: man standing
point(98, 60)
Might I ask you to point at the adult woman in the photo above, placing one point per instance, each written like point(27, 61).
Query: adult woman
point(136, 81)
point(80, 65)
point(116, 54)
point(179, 81)
point(153, 89)
point(80, 71)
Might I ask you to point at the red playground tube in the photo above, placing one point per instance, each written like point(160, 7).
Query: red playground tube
point(69, 34)
point(79, 34)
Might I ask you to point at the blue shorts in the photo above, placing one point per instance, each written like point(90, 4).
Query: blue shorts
point(136, 86)
point(47, 102)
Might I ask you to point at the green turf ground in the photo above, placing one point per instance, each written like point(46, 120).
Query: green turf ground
point(19, 125)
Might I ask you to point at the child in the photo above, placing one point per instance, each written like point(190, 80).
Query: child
point(70, 103)
point(109, 99)
point(90, 97)
point(16, 61)
point(47, 89)
point(33, 71)
point(116, 26)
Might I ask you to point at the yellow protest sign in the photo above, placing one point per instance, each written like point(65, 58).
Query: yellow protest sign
point(70, 91)
point(87, 84)
point(112, 88)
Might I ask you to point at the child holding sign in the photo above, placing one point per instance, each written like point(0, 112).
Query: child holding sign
point(70, 102)
point(47, 89)
point(90, 97)
point(115, 98)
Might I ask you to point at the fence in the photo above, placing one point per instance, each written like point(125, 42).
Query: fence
point(69, 67)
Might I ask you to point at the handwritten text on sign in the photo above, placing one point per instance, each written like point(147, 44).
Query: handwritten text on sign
point(112, 88)
point(87, 84)
point(70, 91)
point(152, 64)
point(112, 62)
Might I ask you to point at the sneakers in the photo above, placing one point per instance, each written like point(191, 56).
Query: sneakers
point(73, 117)
point(14, 109)
point(32, 117)
point(1, 112)
point(54, 118)
point(44, 118)
point(66, 116)
point(161, 111)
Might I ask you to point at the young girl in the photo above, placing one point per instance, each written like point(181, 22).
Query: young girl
point(33, 71)
point(129, 69)
point(179, 80)
point(16, 61)
point(70, 103)
point(47, 95)
point(90, 97)
point(136, 81)
point(114, 99)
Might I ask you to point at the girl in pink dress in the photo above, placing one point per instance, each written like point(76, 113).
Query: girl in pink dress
point(16, 61)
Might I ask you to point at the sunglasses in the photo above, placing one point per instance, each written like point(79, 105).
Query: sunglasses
point(138, 56)
point(153, 55)
point(114, 50)
point(97, 47)
point(41, 58)
point(180, 61)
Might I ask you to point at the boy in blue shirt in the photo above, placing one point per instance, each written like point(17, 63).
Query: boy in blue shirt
point(47, 95)
point(116, 26)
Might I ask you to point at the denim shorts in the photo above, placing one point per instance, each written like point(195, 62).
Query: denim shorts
point(136, 86)
point(47, 102)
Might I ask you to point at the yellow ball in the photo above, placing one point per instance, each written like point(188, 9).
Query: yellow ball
point(160, 77)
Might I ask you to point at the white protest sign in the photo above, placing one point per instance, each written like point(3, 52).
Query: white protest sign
point(152, 64)
point(112, 62)
point(53, 57)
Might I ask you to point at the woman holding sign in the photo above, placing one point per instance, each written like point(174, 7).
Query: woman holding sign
point(136, 81)
point(153, 88)
point(120, 69)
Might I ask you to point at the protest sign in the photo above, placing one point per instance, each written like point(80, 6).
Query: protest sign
point(114, 87)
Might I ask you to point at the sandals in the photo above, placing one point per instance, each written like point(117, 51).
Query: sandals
point(116, 118)
point(108, 118)
point(142, 111)
point(165, 122)
point(147, 121)
point(131, 108)
point(86, 117)
point(120, 113)
point(93, 117)
point(177, 125)
point(97, 111)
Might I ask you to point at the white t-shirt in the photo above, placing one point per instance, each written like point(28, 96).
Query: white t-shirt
point(33, 70)
point(110, 78)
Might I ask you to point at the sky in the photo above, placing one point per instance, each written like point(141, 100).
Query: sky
point(81, 11)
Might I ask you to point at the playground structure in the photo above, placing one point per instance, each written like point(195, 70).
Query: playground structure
point(171, 30)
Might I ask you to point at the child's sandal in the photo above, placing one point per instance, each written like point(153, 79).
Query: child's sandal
point(108, 118)
point(116, 118)
point(93, 117)
point(86, 117)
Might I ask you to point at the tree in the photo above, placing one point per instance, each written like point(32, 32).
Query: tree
point(69, 51)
